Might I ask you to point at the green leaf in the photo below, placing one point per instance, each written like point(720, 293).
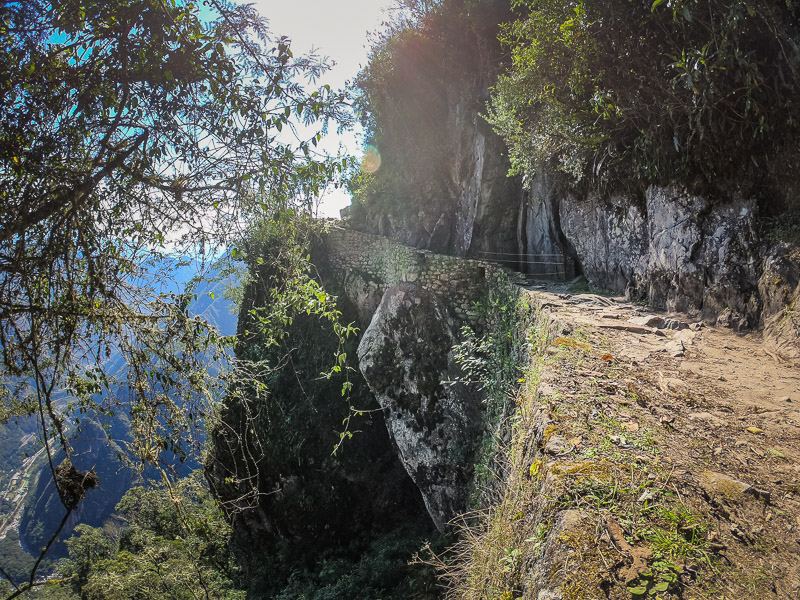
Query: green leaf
point(656, 4)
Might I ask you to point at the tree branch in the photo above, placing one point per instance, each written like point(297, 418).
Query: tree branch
point(52, 207)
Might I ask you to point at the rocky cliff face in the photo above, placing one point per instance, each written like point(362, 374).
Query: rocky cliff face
point(443, 161)
point(467, 214)
point(485, 197)
point(433, 418)
point(677, 250)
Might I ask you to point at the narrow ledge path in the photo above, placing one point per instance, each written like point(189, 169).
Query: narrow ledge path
point(669, 453)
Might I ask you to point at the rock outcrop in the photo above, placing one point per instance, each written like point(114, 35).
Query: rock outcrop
point(608, 237)
point(779, 289)
point(485, 198)
point(433, 418)
point(677, 250)
point(91, 451)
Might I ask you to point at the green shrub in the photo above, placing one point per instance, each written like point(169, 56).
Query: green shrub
point(632, 92)
point(498, 360)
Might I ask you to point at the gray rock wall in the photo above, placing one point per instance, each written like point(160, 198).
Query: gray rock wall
point(678, 251)
point(411, 305)
point(485, 197)
point(460, 208)
point(609, 238)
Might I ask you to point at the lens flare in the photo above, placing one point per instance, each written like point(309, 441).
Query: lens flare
point(372, 159)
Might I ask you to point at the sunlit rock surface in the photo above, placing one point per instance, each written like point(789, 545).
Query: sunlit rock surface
point(405, 358)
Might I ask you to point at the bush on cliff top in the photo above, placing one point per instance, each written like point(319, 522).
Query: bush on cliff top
point(625, 93)
point(434, 53)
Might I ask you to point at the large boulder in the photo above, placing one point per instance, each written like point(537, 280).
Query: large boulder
point(434, 418)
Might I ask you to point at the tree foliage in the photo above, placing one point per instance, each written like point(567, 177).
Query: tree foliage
point(135, 135)
point(167, 542)
point(433, 55)
point(624, 93)
point(298, 454)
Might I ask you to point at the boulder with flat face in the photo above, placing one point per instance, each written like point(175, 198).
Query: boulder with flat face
point(433, 417)
point(779, 288)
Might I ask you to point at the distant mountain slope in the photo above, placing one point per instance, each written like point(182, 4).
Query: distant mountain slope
point(91, 450)
point(43, 510)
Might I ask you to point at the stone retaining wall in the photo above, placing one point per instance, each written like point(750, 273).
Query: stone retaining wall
point(459, 282)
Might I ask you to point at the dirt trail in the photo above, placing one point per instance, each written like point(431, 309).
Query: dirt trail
point(722, 418)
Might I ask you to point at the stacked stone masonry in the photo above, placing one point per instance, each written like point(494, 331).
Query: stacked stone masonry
point(459, 282)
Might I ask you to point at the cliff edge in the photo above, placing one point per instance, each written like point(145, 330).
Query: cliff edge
point(652, 455)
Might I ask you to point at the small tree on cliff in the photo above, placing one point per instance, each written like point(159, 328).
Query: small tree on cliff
point(133, 131)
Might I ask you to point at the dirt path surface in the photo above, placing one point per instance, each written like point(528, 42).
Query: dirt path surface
point(679, 446)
